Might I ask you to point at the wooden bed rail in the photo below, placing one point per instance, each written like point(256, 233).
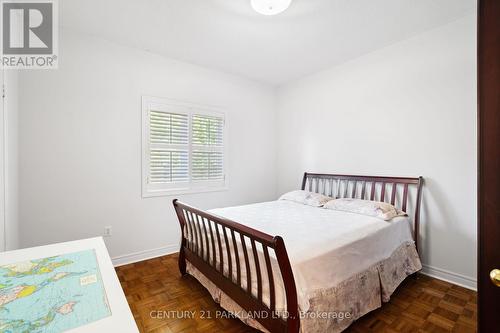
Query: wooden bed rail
point(373, 188)
point(217, 247)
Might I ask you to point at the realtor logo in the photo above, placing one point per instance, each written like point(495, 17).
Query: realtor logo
point(29, 34)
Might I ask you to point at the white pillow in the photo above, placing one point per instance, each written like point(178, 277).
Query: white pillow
point(306, 198)
point(382, 210)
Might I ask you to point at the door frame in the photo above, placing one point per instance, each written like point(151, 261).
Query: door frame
point(3, 226)
point(488, 76)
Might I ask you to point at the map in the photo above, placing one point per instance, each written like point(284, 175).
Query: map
point(52, 294)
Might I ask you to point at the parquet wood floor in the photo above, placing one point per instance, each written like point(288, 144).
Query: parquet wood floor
point(163, 301)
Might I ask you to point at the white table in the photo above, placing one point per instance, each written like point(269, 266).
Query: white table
point(121, 319)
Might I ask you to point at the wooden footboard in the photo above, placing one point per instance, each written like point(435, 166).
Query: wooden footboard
point(206, 245)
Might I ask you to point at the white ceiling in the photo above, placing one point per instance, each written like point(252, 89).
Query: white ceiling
point(228, 35)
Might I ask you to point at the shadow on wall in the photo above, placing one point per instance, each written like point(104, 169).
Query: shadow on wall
point(440, 226)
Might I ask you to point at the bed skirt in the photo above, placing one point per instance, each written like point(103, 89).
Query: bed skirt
point(334, 309)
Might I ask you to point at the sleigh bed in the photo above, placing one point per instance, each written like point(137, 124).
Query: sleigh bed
point(287, 267)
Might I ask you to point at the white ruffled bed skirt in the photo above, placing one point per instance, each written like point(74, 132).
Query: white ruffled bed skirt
point(334, 309)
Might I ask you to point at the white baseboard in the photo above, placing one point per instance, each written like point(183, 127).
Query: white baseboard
point(144, 255)
point(455, 278)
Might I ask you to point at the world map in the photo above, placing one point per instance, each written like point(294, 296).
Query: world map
point(53, 294)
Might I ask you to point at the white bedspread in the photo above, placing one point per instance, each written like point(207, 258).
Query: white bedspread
point(325, 247)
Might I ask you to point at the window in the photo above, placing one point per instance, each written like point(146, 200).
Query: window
point(183, 148)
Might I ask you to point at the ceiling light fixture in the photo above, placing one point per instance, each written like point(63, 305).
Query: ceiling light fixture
point(270, 7)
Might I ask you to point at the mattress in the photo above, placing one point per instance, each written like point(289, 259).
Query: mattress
point(325, 247)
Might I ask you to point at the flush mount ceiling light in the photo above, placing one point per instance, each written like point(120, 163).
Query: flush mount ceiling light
point(270, 7)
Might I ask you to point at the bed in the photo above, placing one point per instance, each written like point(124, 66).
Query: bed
point(336, 266)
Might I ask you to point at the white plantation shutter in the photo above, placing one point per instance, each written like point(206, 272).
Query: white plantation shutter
point(169, 147)
point(168, 166)
point(168, 128)
point(183, 148)
point(207, 139)
point(207, 130)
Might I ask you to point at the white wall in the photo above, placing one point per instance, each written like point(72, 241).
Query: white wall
point(80, 145)
point(408, 109)
point(11, 159)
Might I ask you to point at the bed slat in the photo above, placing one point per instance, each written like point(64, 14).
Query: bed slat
point(214, 260)
point(207, 252)
point(257, 269)
point(393, 194)
point(228, 248)
point(197, 239)
point(237, 255)
point(189, 239)
point(200, 235)
point(269, 268)
point(219, 244)
point(405, 197)
point(247, 264)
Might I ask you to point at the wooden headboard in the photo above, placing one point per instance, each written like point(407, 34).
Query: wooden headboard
point(403, 192)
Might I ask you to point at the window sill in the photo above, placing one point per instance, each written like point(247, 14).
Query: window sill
point(175, 192)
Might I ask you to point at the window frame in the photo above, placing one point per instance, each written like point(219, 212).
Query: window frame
point(189, 187)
